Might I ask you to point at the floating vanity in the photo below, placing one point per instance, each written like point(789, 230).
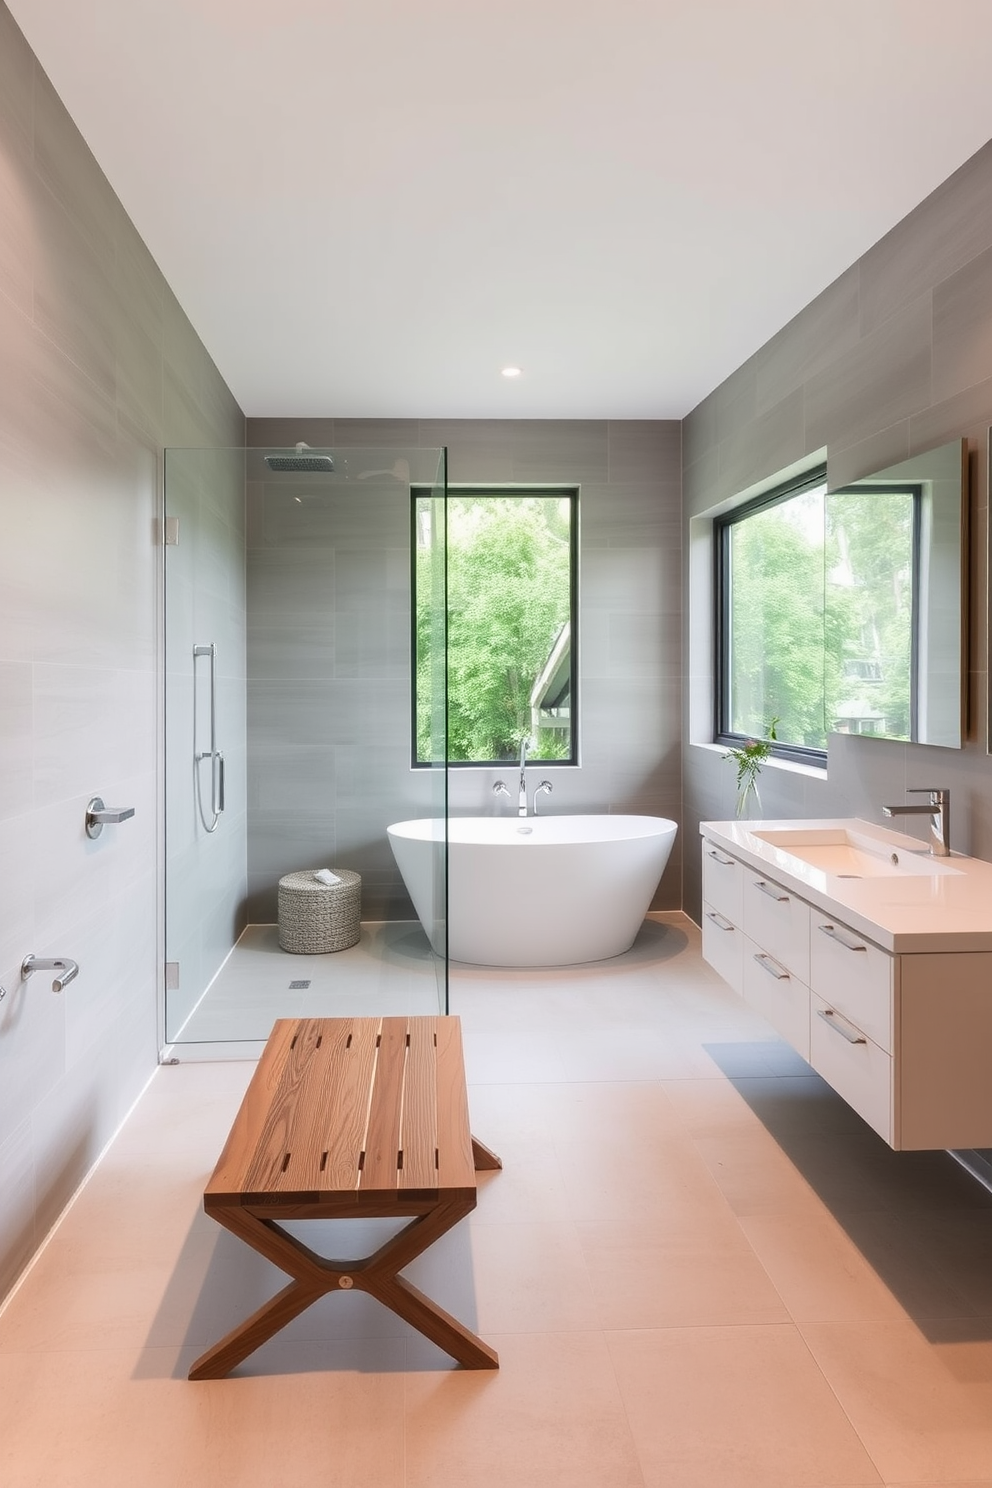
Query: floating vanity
point(871, 957)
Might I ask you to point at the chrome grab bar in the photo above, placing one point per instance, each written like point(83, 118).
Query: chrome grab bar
point(213, 754)
point(840, 1025)
point(834, 934)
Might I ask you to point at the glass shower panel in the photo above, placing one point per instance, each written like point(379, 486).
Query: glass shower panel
point(430, 673)
point(205, 746)
point(317, 595)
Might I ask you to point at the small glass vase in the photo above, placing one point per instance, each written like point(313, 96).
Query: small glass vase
point(748, 800)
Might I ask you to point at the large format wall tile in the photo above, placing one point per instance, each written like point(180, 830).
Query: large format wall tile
point(894, 357)
point(330, 632)
point(87, 327)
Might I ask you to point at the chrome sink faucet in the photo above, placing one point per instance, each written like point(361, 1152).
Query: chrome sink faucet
point(939, 811)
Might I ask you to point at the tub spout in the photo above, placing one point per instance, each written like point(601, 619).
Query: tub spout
point(525, 744)
point(65, 969)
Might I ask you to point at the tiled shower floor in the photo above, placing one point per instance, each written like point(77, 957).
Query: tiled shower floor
point(390, 970)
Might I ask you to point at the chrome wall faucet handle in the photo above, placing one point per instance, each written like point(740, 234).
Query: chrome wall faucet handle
point(98, 815)
point(544, 786)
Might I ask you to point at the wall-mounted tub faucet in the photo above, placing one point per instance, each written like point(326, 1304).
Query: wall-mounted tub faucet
point(939, 811)
point(544, 786)
point(66, 970)
point(525, 744)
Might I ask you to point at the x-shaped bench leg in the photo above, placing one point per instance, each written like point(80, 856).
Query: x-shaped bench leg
point(313, 1276)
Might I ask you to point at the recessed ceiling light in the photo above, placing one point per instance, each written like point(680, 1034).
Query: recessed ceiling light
point(511, 371)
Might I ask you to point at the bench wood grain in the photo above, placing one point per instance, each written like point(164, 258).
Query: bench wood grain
point(350, 1118)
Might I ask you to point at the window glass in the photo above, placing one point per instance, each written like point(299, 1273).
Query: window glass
point(772, 622)
point(818, 603)
point(511, 663)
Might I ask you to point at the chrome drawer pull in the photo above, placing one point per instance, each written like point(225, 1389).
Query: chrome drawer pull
point(846, 941)
point(718, 919)
point(772, 890)
point(772, 967)
point(726, 862)
point(845, 1030)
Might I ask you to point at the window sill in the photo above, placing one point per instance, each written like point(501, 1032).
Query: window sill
point(792, 767)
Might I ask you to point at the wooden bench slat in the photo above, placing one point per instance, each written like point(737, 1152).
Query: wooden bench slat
point(239, 1149)
point(418, 1130)
point(283, 1157)
point(344, 1115)
point(382, 1140)
point(456, 1168)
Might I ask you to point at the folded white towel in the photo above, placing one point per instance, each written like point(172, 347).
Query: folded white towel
point(324, 875)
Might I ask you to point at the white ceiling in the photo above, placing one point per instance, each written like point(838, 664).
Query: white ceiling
point(368, 207)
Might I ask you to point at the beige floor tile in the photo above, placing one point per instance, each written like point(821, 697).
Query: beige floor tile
point(745, 1406)
point(528, 1190)
point(779, 1104)
point(116, 1419)
point(921, 1404)
point(520, 1278)
point(654, 1179)
point(755, 1175)
point(706, 1275)
point(867, 1267)
point(550, 1417)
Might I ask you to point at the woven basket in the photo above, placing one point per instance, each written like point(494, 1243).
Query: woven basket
point(315, 917)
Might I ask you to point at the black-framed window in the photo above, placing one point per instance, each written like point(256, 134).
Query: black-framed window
point(817, 595)
point(512, 661)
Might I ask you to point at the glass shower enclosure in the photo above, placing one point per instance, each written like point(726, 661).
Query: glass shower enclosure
point(289, 717)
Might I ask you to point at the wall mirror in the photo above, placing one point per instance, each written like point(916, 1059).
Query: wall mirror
point(894, 611)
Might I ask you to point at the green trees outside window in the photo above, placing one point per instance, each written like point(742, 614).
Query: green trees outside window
point(510, 637)
point(817, 614)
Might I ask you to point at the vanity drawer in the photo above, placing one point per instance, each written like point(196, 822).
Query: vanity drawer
point(777, 921)
point(852, 1064)
point(723, 881)
point(723, 946)
point(853, 976)
point(781, 998)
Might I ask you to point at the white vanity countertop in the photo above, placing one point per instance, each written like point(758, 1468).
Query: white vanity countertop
point(949, 909)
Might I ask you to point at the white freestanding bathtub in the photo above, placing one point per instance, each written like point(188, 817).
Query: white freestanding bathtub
point(536, 891)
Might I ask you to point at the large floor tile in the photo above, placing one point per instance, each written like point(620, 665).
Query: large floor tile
point(115, 1418)
point(745, 1406)
point(922, 1407)
point(868, 1267)
point(647, 1277)
point(551, 1417)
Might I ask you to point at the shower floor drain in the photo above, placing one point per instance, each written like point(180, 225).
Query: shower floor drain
point(298, 986)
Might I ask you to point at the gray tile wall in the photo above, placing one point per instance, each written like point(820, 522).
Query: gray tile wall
point(891, 359)
point(99, 369)
point(329, 635)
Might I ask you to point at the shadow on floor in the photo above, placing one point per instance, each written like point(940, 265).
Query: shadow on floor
point(919, 1219)
point(218, 1281)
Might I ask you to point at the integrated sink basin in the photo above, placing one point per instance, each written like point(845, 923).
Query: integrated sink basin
point(843, 853)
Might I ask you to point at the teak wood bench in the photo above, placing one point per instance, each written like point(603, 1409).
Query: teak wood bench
point(350, 1118)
